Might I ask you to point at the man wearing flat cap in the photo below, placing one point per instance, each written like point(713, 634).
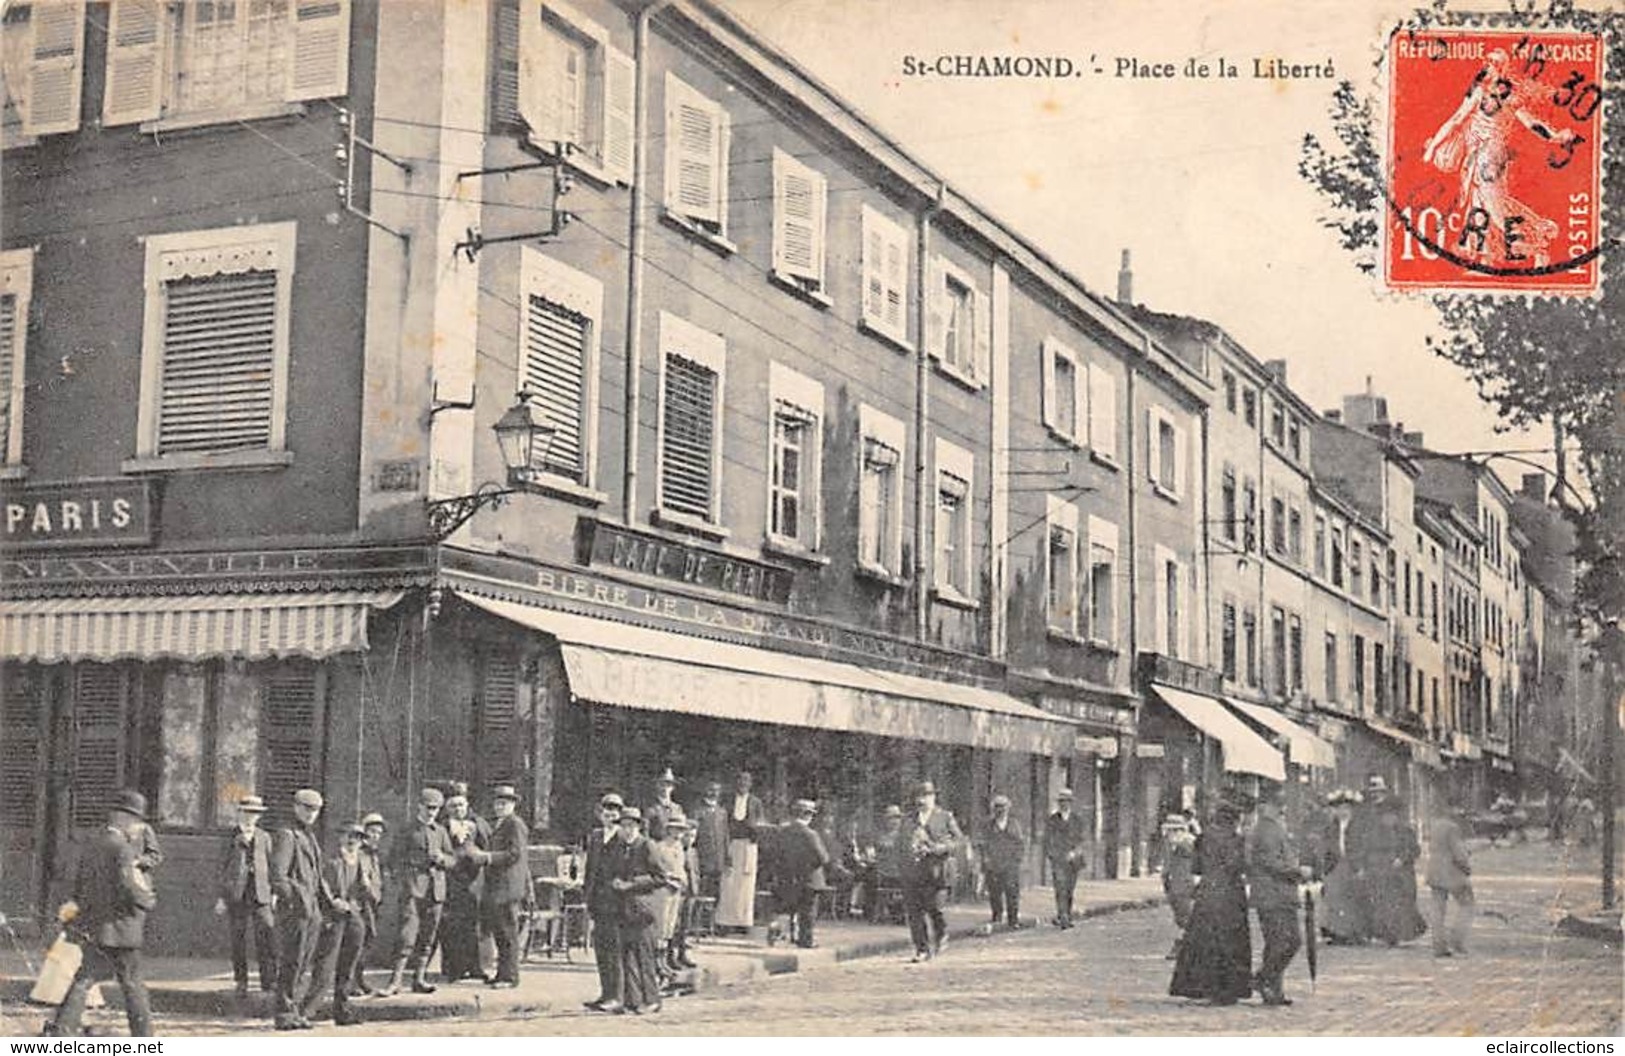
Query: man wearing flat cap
point(801, 859)
point(373, 827)
point(111, 897)
point(423, 855)
point(931, 835)
point(1066, 846)
point(1003, 848)
point(296, 861)
point(604, 848)
point(507, 882)
point(343, 893)
point(245, 895)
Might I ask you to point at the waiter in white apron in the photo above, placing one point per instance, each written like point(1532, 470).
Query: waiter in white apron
point(736, 904)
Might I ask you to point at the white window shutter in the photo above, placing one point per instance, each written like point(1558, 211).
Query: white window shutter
point(874, 271)
point(620, 89)
point(1153, 461)
point(1159, 607)
point(541, 68)
point(55, 67)
point(719, 164)
point(320, 55)
point(1102, 411)
point(135, 62)
point(1179, 461)
point(692, 132)
point(1046, 356)
point(1080, 402)
point(797, 219)
point(896, 283)
point(936, 307)
point(982, 331)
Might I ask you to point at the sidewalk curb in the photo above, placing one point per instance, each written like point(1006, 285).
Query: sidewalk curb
point(737, 966)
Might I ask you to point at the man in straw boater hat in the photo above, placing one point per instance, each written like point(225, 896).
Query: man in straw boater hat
point(932, 835)
point(107, 914)
point(245, 895)
point(296, 860)
point(507, 882)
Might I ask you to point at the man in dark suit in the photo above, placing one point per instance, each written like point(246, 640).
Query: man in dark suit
point(931, 836)
point(801, 858)
point(604, 848)
point(1003, 847)
point(111, 897)
point(1273, 874)
point(372, 891)
point(423, 855)
point(507, 883)
point(665, 807)
point(343, 893)
point(245, 895)
point(1066, 845)
point(711, 840)
point(296, 860)
point(1449, 875)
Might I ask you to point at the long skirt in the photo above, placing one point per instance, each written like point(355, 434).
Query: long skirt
point(460, 934)
point(640, 978)
point(1346, 905)
point(736, 905)
point(1216, 957)
point(1394, 916)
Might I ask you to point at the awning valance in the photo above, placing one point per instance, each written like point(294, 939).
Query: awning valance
point(1305, 747)
point(1244, 751)
point(640, 667)
point(1419, 750)
point(188, 627)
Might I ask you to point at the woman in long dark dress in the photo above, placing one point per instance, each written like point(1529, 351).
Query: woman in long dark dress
point(1391, 868)
point(1216, 957)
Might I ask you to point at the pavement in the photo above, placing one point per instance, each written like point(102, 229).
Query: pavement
point(195, 995)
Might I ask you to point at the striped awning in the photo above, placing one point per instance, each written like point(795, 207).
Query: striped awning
point(188, 627)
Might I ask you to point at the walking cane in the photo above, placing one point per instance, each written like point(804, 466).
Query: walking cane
point(1311, 935)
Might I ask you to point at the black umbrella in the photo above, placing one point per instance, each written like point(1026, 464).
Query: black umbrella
point(1311, 934)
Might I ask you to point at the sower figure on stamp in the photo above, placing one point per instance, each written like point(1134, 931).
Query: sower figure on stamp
point(604, 847)
point(1273, 875)
point(423, 856)
point(245, 895)
point(342, 893)
point(296, 860)
point(111, 897)
point(1066, 844)
point(1003, 848)
point(931, 836)
point(507, 883)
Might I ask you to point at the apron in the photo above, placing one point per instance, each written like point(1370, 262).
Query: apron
point(736, 903)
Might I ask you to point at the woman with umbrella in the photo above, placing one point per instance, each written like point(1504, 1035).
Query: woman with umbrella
point(1216, 957)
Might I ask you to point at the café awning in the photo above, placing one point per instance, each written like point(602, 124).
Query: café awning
point(188, 627)
point(1243, 750)
point(1418, 749)
point(641, 667)
point(1305, 747)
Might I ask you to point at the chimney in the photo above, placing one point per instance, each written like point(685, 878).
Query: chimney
point(1413, 439)
point(1332, 414)
point(1125, 282)
point(1534, 487)
point(1365, 410)
point(1276, 367)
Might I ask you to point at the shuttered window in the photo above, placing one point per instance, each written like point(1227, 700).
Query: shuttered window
point(557, 75)
point(799, 202)
point(218, 361)
point(885, 276)
point(22, 719)
point(8, 369)
point(697, 133)
point(688, 438)
point(498, 719)
point(47, 39)
point(290, 739)
point(100, 702)
point(222, 58)
point(555, 369)
point(505, 65)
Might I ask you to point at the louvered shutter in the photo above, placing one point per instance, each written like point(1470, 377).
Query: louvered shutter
point(620, 99)
point(1080, 401)
point(505, 65)
point(290, 721)
point(896, 283)
point(1102, 411)
point(541, 71)
point(320, 54)
point(56, 55)
point(1046, 358)
point(100, 693)
point(936, 309)
point(981, 323)
point(688, 426)
point(555, 363)
point(218, 361)
point(499, 719)
point(798, 220)
point(693, 146)
point(135, 62)
point(8, 364)
point(22, 721)
point(874, 271)
point(1179, 460)
point(1153, 461)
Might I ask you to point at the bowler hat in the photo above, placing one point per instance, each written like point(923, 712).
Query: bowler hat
point(631, 814)
point(925, 788)
point(432, 797)
point(505, 792)
point(251, 805)
point(374, 818)
point(129, 801)
point(308, 797)
point(804, 806)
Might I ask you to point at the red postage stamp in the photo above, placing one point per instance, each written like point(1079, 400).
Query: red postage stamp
point(1494, 161)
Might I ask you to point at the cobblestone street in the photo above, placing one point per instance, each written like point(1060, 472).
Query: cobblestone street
point(1108, 976)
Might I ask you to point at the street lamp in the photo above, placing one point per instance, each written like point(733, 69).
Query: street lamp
point(523, 437)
